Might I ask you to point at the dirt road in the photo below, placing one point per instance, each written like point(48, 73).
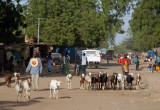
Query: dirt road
point(147, 98)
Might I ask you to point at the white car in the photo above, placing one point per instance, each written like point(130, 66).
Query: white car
point(93, 57)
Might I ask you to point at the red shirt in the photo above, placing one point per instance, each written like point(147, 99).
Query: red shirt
point(125, 60)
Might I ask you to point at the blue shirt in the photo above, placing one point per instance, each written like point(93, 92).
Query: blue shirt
point(155, 59)
point(35, 70)
point(135, 60)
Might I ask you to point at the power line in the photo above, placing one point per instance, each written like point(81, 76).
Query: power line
point(38, 28)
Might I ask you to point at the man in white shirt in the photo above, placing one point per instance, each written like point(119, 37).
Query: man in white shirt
point(83, 63)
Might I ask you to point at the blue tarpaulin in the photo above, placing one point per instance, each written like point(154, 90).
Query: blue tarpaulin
point(103, 50)
point(149, 53)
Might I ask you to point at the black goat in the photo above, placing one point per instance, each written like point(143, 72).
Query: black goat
point(104, 79)
point(130, 79)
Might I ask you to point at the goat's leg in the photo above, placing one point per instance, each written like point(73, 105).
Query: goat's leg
point(50, 93)
point(131, 86)
point(24, 93)
point(100, 85)
point(122, 86)
point(15, 82)
point(111, 85)
point(139, 84)
point(70, 85)
point(21, 95)
point(80, 86)
point(7, 84)
point(94, 86)
point(117, 85)
point(56, 94)
point(10, 83)
point(97, 85)
point(103, 86)
point(28, 94)
point(17, 97)
point(83, 86)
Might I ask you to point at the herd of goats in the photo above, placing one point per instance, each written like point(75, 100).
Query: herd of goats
point(101, 81)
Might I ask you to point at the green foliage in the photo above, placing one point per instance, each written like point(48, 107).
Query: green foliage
point(76, 22)
point(145, 24)
point(126, 46)
point(10, 19)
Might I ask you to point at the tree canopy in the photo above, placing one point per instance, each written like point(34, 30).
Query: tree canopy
point(145, 24)
point(10, 20)
point(75, 22)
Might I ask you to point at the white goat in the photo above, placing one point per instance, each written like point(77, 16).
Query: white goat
point(27, 88)
point(119, 80)
point(54, 86)
point(123, 81)
point(17, 77)
point(19, 90)
point(68, 80)
point(88, 80)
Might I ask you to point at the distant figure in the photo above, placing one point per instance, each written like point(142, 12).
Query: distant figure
point(66, 63)
point(49, 63)
point(136, 61)
point(35, 68)
point(78, 60)
point(84, 63)
point(125, 65)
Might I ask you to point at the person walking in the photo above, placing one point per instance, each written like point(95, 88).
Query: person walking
point(84, 63)
point(136, 61)
point(35, 68)
point(66, 63)
point(125, 65)
point(49, 63)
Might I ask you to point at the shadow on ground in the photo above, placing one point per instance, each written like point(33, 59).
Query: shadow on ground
point(9, 105)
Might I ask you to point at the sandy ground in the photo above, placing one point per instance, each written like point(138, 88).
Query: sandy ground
point(147, 98)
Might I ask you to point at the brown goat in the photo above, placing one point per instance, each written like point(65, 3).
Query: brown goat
point(82, 81)
point(99, 80)
point(8, 79)
point(113, 80)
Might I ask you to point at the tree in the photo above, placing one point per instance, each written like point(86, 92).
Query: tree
point(84, 23)
point(126, 46)
point(10, 20)
point(145, 24)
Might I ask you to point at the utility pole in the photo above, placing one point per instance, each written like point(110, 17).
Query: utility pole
point(38, 27)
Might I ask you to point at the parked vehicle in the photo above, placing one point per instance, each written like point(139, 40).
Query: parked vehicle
point(93, 57)
point(56, 58)
point(110, 54)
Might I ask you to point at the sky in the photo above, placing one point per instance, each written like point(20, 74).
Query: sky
point(119, 37)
